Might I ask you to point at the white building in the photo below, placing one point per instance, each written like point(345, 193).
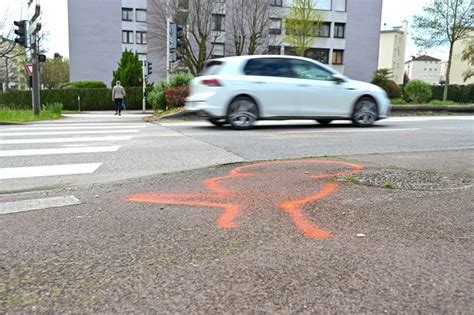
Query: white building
point(100, 30)
point(392, 51)
point(425, 68)
point(458, 67)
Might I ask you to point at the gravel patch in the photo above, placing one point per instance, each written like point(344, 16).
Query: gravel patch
point(411, 179)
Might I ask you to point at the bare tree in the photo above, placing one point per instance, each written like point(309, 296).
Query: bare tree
point(197, 18)
point(444, 22)
point(247, 26)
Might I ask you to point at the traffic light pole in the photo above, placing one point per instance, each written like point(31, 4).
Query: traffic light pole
point(144, 68)
point(36, 77)
point(168, 22)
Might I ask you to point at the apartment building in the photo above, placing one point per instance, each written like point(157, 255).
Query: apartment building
point(348, 39)
point(458, 67)
point(99, 31)
point(392, 51)
point(425, 68)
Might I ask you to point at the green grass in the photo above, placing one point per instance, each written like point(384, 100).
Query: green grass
point(398, 101)
point(49, 111)
point(437, 102)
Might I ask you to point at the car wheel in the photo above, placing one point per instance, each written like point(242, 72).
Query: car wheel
point(217, 122)
point(242, 113)
point(365, 112)
point(324, 121)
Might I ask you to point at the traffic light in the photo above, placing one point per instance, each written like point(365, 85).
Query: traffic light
point(179, 35)
point(21, 32)
point(149, 68)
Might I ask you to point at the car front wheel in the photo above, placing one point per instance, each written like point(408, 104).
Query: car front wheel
point(365, 112)
point(242, 113)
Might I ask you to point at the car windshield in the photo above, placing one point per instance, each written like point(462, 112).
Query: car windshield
point(211, 67)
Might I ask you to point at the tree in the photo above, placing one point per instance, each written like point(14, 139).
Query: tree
point(468, 55)
point(302, 25)
point(444, 22)
point(54, 72)
point(129, 71)
point(247, 26)
point(201, 34)
point(382, 76)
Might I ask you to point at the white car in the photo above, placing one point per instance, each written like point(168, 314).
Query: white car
point(243, 89)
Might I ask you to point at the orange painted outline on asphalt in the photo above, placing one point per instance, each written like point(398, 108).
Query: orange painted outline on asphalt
point(216, 198)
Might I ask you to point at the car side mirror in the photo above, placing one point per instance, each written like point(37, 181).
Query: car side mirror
point(338, 78)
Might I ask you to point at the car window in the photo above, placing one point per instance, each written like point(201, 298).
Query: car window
point(212, 67)
point(310, 71)
point(270, 67)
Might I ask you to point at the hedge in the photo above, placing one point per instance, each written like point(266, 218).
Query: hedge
point(91, 99)
point(456, 93)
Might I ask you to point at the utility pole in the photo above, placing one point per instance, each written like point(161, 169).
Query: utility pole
point(36, 76)
point(144, 68)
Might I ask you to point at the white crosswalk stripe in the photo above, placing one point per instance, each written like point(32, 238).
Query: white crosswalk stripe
point(23, 148)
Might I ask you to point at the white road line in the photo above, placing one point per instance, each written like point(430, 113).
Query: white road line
point(33, 133)
point(37, 204)
point(50, 170)
point(59, 151)
point(63, 140)
point(69, 127)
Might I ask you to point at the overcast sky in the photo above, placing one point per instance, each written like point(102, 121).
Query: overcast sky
point(54, 21)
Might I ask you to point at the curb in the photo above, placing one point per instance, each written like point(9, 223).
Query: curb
point(434, 108)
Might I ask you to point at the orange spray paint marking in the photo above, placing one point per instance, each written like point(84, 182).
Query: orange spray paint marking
point(227, 198)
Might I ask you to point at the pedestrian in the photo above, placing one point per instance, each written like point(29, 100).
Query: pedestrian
point(118, 93)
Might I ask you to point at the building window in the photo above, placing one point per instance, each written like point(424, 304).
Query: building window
point(140, 15)
point(340, 5)
point(218, 50)
point(337, 57)
point(127, 14)
point(219, 1)
point(274, 50)
point(324, 5)
point(218, 22)
point(127, 37)
point(276, 3)
point(319, 54)
point(323, 30)
point(339, 29)
point(141, 37)
point(275, 26)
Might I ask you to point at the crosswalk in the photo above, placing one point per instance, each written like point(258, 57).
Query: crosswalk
point(47, 149)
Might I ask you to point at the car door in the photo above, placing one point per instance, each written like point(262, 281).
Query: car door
point(320, 95)
point(270, 81)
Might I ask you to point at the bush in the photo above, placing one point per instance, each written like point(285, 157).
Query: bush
point(88, 84)
point(418, 91)
point(175, 96)
point(398, 101)
point(392, 89)
point(157, 97)
point(91, 99)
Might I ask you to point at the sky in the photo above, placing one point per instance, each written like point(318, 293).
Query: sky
point(54, 22)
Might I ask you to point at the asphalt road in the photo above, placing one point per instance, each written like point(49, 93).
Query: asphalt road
point(385, 228)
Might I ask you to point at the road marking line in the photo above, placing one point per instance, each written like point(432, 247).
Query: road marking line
point(50, 170)
point(344, 131)
point(37, 204)
point(111, 131)
point(402, 119)
point(61, 140)
point(59, 151)
point(69, 127)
